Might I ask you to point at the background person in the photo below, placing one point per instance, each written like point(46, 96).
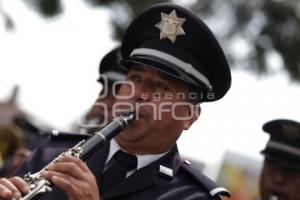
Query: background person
point(280, 176)
point(110, 72)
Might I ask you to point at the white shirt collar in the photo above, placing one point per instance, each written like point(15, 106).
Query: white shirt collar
point(142, 160)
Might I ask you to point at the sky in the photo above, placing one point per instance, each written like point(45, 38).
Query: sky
point(55, 63)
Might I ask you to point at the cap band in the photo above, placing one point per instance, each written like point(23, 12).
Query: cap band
point(284, 147)
point(218, 190)
point(188, 68)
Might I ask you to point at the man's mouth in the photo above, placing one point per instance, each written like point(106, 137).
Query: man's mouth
point(140, 115)
point(141, 112)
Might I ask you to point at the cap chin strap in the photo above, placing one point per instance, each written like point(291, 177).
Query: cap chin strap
point(187, 67)
point(283, 147)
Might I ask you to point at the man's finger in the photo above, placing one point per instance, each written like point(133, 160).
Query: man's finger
point(62, 183)
point(78, 162)
point(50, 174)
point(71, 190)
point(4, 192)
point(70, 168)
point(11, 187)
point(20, 184)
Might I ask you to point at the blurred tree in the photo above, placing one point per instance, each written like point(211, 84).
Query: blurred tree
point(266, 27)
point(47, 8)
point(8, 22)
point(126, 9)
point(252, 31)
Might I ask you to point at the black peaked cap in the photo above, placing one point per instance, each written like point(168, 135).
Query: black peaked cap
point(177, 42)
point(284, 142)
point(110, 66)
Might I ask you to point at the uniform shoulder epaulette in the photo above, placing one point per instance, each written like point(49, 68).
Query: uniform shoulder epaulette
point(57, 135)
point(211, 186)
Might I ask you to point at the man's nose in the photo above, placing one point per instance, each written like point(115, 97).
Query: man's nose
point(142, 92)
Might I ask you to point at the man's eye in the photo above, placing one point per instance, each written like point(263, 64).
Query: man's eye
point(162, 86)
point(134, 77)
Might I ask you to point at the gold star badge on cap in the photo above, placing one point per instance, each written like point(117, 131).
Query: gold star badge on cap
point(170, 26)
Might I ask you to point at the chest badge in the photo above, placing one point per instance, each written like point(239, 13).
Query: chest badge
point(166, 171)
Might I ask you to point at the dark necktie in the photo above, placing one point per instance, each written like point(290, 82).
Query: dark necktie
point(117, 169)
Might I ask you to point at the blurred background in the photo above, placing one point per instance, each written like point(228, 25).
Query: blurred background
point(50, 51)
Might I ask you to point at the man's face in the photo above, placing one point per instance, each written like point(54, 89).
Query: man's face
point(280, 180)
point(19, 156)
point(162, 110)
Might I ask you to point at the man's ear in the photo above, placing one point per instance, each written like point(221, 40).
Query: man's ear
point(193, 114)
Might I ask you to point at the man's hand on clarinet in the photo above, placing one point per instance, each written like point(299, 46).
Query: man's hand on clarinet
point(12, 188)
point(74, 177)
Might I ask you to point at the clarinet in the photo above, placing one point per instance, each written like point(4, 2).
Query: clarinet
point(83, 150)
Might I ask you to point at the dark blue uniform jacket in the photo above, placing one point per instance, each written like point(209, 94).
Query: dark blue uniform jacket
point(147, 183)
